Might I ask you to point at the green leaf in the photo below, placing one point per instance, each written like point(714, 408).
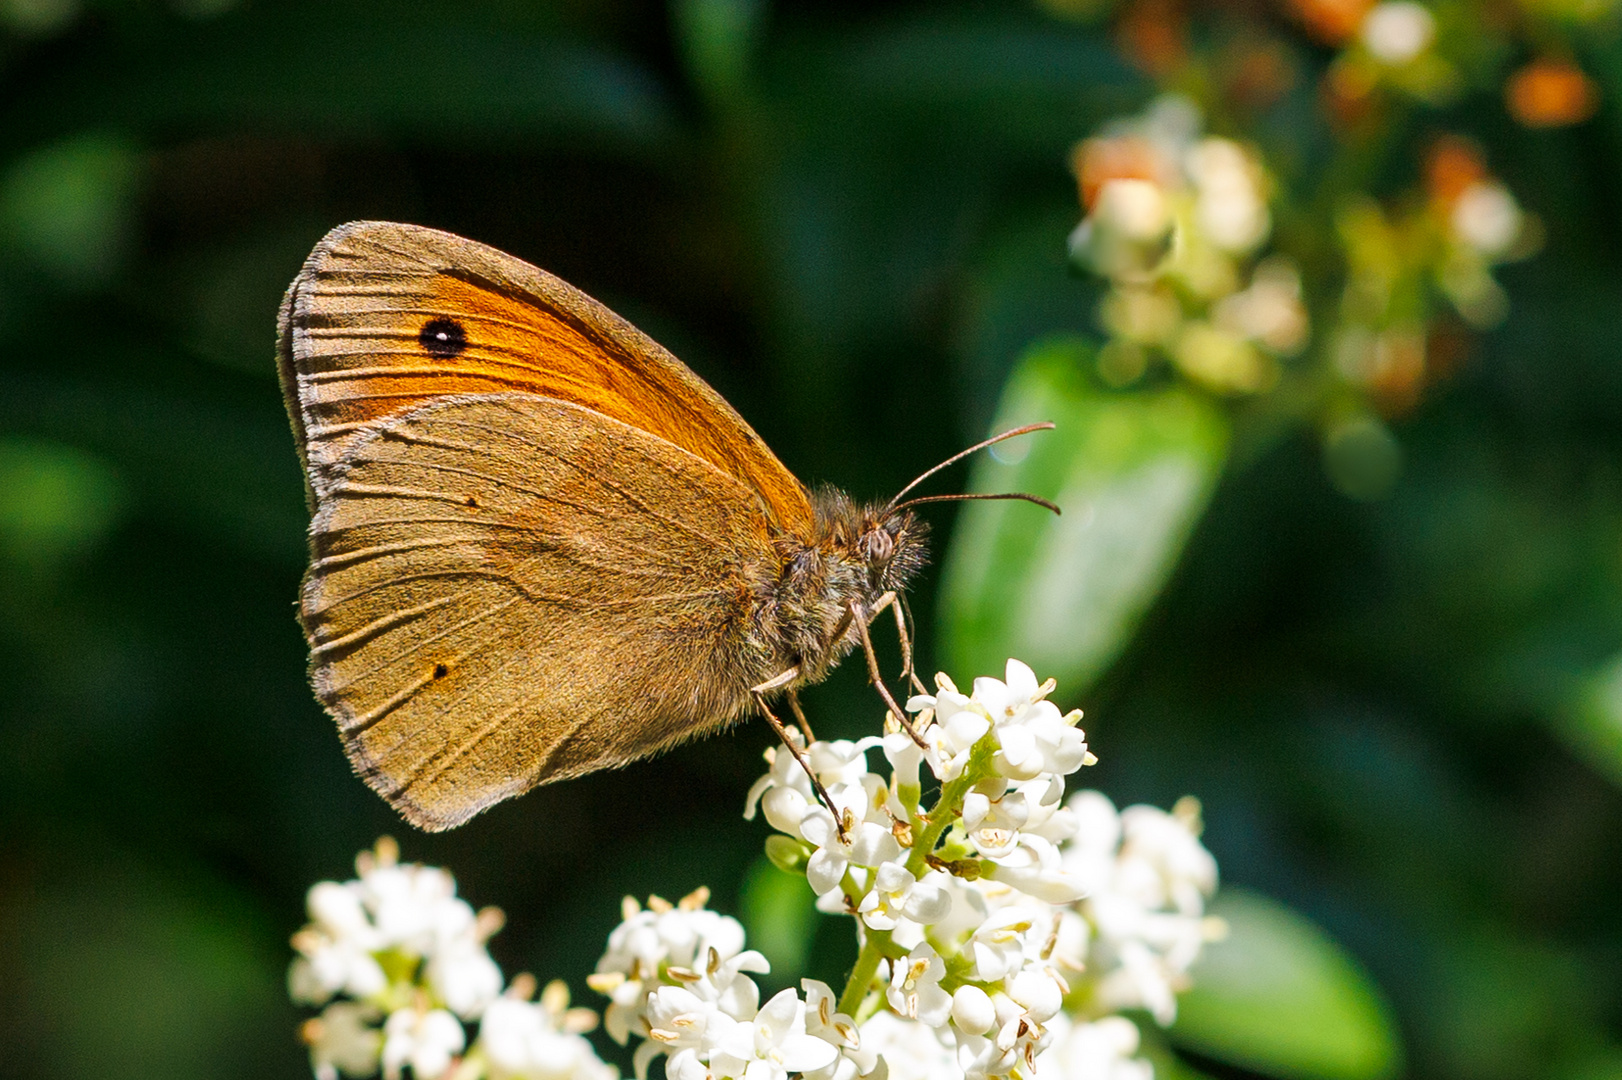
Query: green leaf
point(1592, 722)
point(67, 207)
point(717, 40)
point(55, 500)
point(780, 916)
point(1132, 473)
point(1278, 996)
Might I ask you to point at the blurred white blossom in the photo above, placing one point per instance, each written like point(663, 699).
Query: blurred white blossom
point(1397, 31)
point(343, 1039)
point(540, 1040)
point(409, 957)
point(426, 1040)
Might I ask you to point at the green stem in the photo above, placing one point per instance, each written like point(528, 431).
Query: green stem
point(861, 976)
point(945, 811)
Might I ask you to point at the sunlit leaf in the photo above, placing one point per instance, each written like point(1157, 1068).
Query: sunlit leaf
point(1280, 997)
point(1132, 473)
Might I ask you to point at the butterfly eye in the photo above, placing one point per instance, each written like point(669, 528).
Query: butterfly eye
point(442, 337)
point(877, 545)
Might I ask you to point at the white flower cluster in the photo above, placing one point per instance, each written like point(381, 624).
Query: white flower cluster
point(406, 958)
point(677, 976)
point(999, 927)
point(1174, 221)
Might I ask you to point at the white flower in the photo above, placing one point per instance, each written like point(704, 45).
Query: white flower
point(997, 947)
point(772, 1044)
point(968, 911)
point(392, 908)
point(896, 894)
point(866, 842)
point(972, 1010)
point(905, 756)
point(1101, 1050)
point(910, 1050)
point(1162, 859)
point(1142, 980)
point(1270, 310)
point(1135, 208)
point(336, 948)
point(342, 1039)
point(649, 940)
point(1398, 31)
point(1019, 1036)
point(1230, 206)
point(524, 1040)
point(1033, 737)
point(785, 792)
point(824, 1020)
point(685, 1026)
point(725, 983)
point(1036, 869)
point(959, 724)
point(994, 822)
point(460, 971)
point(424, 1039)
point(915, 987)
point(1147, 877)
point(1038, 992)
point(414, 907)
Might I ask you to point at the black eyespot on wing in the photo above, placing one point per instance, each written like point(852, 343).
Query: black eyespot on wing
point(440, 671)
point(442, 337)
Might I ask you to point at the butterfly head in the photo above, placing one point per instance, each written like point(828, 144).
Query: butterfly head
point(891, 544)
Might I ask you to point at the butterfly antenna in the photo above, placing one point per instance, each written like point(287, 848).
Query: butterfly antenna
point(1025, 495)
point(1046, 425)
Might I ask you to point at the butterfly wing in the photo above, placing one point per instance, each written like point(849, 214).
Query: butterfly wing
point(507, 590)
point(385, 317)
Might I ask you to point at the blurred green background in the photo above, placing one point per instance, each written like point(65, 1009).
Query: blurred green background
point(1403, 711)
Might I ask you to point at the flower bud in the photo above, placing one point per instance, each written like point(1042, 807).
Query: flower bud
point(972, 1010)
point(1038, 992)
point(787, 853)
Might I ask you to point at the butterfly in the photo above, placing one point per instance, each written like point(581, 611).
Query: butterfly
point(540, 545)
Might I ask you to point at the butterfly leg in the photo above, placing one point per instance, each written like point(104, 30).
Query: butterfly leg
point(775, 683)
point(799, 717)
point(908, 674)
point(876, 677)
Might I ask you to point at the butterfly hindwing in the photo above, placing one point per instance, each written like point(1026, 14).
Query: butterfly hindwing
point(507, 590)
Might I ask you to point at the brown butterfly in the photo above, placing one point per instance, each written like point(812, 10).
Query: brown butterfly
point(541, 545)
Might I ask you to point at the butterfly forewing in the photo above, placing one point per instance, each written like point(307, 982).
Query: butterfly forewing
point(385, 317)
point(510, 589)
